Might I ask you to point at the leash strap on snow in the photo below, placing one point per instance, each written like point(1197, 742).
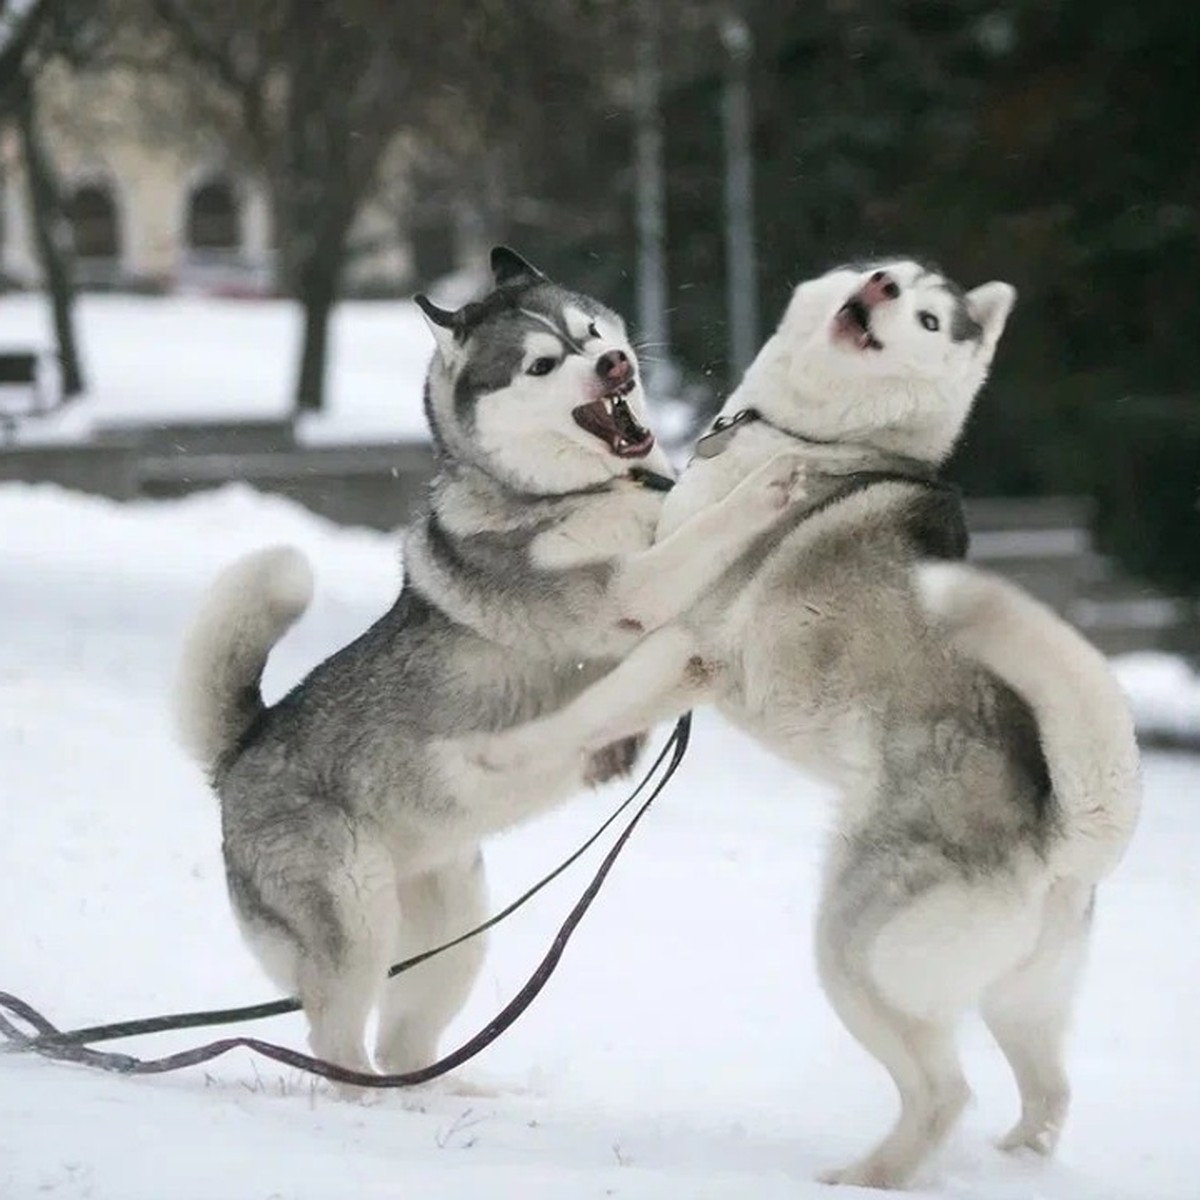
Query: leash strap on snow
point(50, 1042)
point(138, 1026)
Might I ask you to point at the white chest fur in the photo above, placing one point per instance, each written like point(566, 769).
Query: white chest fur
point(709, 480)
point(612, 526)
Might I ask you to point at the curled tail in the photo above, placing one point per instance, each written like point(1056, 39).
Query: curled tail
point(252, 604)
point(1085, 724)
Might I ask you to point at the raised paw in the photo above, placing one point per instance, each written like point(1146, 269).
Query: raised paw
point(788, 487)
point(613, 761)
point(777, 485)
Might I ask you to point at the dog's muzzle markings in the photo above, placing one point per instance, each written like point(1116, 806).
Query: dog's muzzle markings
point(610, 418)
point(853, 320)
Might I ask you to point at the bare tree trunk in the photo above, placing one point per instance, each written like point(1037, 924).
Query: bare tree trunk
point(651, 197)
point(317, 294)
point(740, 269)
point(21, 37)
point(45, 205)
point(311, 249)
point(322, 233)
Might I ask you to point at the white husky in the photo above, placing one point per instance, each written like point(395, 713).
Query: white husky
point(984, 755)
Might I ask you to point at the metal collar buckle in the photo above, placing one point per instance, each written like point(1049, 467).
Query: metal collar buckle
point(717, 439)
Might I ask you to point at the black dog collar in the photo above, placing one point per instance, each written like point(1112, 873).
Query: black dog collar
point(651, 479)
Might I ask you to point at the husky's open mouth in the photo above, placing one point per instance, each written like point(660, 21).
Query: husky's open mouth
point(611, 420)
point(853, 324)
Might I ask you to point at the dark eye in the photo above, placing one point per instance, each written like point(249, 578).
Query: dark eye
point(929, 321)
point(592, 331)
point(541, 366)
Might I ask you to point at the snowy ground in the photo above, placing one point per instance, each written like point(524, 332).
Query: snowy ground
point(166, 359)
point(683, 1051)
point(1164, 692)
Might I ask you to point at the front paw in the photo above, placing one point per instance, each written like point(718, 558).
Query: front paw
point(613, 761)
point(777, 485)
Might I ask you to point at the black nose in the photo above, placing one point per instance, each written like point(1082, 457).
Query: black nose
point(881, 284)
point(613, 366)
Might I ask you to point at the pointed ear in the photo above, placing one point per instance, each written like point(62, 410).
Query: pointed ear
point(441, 322)
point(508, 267)
point(990, 304)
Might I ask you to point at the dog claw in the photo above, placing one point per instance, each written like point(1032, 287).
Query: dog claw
point(786, 492)
point(780, 483)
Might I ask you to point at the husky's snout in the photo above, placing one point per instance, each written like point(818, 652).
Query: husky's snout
point(609, 417)
point(853, 320)
point(880, 287)
point(614, 368)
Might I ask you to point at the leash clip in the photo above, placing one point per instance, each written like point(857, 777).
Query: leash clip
point(716, 440)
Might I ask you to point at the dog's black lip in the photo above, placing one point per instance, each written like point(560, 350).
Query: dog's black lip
point(610, 419)
point(856, 309)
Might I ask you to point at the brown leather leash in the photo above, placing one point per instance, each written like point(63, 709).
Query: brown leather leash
point(70, 1046)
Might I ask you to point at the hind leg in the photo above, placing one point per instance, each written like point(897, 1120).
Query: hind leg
point(418, 1005)
point(918, 1052)
point(922, 1060)
point(320, 916)
point(1028, 1011)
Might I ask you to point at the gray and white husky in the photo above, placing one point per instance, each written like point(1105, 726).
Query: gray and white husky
point(352, 817)
point(984, 755)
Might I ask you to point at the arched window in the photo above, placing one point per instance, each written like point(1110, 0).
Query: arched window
point(92, 213)
point(213, 219)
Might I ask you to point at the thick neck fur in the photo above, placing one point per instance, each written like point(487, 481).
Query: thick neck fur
point(864, 415)
point(468, 500)
point(828, 458)
point(480, 556)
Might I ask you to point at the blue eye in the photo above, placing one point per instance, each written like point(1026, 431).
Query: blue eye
point(541, 366)
point(929, 321)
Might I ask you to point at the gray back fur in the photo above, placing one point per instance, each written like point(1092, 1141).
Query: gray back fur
point(480, 638)
point(838, 668)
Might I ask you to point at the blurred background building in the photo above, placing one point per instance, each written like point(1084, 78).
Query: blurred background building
point(146, 211)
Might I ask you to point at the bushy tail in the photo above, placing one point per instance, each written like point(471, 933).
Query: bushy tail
point(250, 607)
point(1085, 724)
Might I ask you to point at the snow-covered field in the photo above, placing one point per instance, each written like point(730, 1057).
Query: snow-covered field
point(167, 359)
point(179, 358)
point(1164, 692)
point(682, 1052)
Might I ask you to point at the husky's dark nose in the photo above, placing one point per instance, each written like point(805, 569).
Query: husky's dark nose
point(881, 286)
point(614, 367)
